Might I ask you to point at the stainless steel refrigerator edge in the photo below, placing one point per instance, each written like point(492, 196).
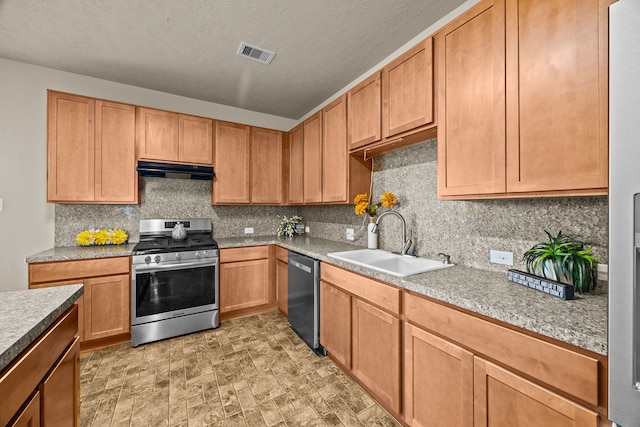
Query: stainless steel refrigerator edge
point(624, 184)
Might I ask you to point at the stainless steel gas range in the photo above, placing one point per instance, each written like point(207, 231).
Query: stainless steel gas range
point(174, 289)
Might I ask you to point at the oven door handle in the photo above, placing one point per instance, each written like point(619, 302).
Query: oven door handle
point(173, 266)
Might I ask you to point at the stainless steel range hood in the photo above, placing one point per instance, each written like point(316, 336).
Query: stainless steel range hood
point(173, 170)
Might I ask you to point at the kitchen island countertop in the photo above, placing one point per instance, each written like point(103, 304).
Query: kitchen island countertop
point(25, 315)
point(581, 322)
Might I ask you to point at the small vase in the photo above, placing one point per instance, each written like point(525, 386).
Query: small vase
point(372, 234)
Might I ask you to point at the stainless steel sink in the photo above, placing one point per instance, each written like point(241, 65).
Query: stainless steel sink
point(388, 262)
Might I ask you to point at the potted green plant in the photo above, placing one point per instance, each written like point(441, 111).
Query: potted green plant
point(564, 259)
point(287, 226)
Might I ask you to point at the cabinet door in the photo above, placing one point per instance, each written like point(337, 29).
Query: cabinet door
point(116, 179)
point(282, 286)
point(438, 381)
point(244, 284)
point(266, 166)
point(335, 323)
point(502, 398)
point(232, 164)
point(334, 151)
point(364, 112)
point(107, 306)
point(157, 134)
point(312, 163)
point(30, 415)
point(557, 99)
point(60, 390)
point(376, 352)
point(195, 136)
point(296, 149)
point(70, 148)
point(471, 99)
point(407, 90)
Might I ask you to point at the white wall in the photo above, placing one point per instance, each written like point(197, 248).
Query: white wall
point(27, 221)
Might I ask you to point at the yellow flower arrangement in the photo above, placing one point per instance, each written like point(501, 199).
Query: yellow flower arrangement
point(102, 237)
point(364, 206)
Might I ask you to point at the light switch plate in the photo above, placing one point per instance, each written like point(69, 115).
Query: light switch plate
point(1, 205)
point(501, 257)
point(248, 230)
point(602, 271)
point(307, 229)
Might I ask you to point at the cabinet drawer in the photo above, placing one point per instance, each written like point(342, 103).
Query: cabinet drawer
point(79, 269)
point(244, 254)
point(282, 254)
point(22, 377)
point(380, 294)
point(568, 371)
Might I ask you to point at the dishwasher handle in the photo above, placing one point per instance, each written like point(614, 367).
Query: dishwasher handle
point(300, 266)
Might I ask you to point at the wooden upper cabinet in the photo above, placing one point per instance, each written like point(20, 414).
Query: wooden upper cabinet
point(195, 136)
point(157, 134)
point(173, 137)
point(296, 150)
point(471, 99)
point(523, 106)
point(312, 162)
point(70, 148)
point(407, 90)
point(90, 150)
point(266, 166)
point(502, 398)
point(557, 59)
point(232, 164)
point(116, 179)
point(364, 112)
point(334, 151)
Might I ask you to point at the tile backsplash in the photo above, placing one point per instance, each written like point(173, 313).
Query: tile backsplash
point(467, 230)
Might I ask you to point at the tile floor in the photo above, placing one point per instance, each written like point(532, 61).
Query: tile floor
point(249, 372)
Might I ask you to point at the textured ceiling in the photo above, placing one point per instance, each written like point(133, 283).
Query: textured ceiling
point(188, 47)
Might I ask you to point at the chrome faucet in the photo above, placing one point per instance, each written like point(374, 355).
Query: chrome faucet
point(406, 243)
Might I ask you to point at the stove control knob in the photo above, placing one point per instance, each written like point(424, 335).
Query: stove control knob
point(147, 259)
point(198, 254)
point(157, 258)
point(205, 253)
point(178, 256)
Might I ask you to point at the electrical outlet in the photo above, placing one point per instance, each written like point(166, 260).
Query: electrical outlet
point(248, 230)
point(501, 257)
point(1, 205)
point(307, 230)
point(602, 271)
point(350, 235)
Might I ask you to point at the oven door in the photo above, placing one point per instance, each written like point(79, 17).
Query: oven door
point(166, 291)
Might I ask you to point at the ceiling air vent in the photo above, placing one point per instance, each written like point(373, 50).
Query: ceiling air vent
point(256, 53)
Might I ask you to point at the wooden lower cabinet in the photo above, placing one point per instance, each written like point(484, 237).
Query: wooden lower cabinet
point(104, 311)
point(60, 392)
point(502, 398)
point(42, 385)
point(30, 415)
point(106, 306)
point(438, 381)
point(376, 352)
point(335, 323)
point(247, 277)
point(282, 280)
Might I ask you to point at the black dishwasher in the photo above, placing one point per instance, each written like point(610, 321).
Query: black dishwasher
point(304, 299)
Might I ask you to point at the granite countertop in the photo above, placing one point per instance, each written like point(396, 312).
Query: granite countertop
point(25, 315)
point(581, 322)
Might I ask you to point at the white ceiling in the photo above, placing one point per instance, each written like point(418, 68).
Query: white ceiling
point(188, 47)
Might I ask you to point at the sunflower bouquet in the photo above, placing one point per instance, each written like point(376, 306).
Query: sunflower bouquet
point(363, 205)
point(102, 237)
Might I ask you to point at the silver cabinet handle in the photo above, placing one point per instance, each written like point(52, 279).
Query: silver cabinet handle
point(300, 266)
